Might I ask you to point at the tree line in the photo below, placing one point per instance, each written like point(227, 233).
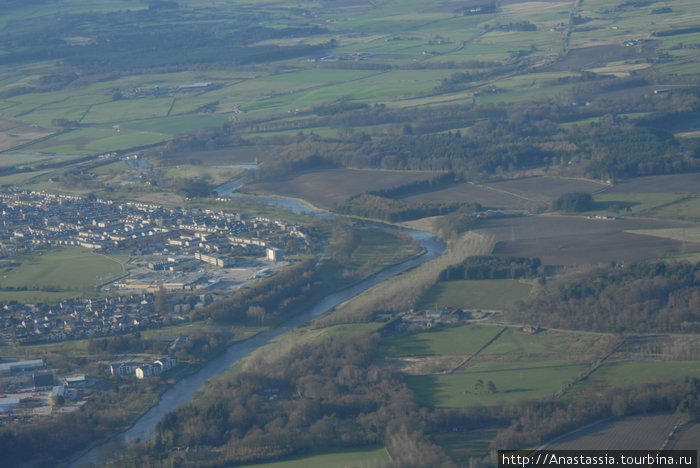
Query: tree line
point(484, 267)
point(371, 206)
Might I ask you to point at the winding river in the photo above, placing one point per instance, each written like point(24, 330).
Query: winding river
point(184, 389)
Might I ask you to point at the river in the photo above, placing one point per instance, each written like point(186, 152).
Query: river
point(184, 389)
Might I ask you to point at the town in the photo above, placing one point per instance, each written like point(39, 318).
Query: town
point(193, 254)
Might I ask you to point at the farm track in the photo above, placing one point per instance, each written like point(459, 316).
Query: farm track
point(592, 368)
point(469, 358)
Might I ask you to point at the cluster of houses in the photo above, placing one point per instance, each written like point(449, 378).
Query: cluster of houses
point(78, 318)
point(426, 319)
point(33, 390)
point(142, 369)
point(33, 219)
point(189, 242)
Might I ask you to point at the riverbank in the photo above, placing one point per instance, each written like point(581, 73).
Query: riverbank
point(184, 390)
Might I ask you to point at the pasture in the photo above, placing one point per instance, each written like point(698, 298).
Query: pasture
point(463, 340)
point(513, 381)
point(482, 294)
point(520, 365)
point(16, 132)
point(548, 344)
point(621, 373)
point(93, 140)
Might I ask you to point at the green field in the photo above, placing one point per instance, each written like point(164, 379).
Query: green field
point(59, 272)
point(345, 459)
point(621, 373)
point(482, 294)
point(466, 339)
point(393, 37)
point(521, 365)
point(637, 203)
point(95, 140)
point(550, 344)
point(513, 381)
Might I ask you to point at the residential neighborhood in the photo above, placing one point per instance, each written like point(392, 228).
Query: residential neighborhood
point(192, 254)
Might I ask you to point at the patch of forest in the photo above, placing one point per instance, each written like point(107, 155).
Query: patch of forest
point(483, 267)
point(641, 297)
point(371, 206)
point(316, 398)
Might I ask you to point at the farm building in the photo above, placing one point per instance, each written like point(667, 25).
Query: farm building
point(8, 403)
point(20, 366)
point(42, 379)
point(76, 380)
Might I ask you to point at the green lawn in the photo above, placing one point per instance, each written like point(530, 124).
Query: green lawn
point(482, 294)
point(95, 140)
point(66, 270)
point(344, 459)
point(466, 339)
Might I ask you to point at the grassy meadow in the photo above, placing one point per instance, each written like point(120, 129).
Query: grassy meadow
point(513, 382)
point(520, 365)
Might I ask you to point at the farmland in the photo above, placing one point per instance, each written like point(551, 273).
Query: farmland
point(485, 113)
point(481, 294)
point(559, 240)
point(619, 373)
point(327, 188)
point(632, 433)
point(520, 365)
point(512, 382)
point(687, 439)
point(459, 340)
point(383, 44)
